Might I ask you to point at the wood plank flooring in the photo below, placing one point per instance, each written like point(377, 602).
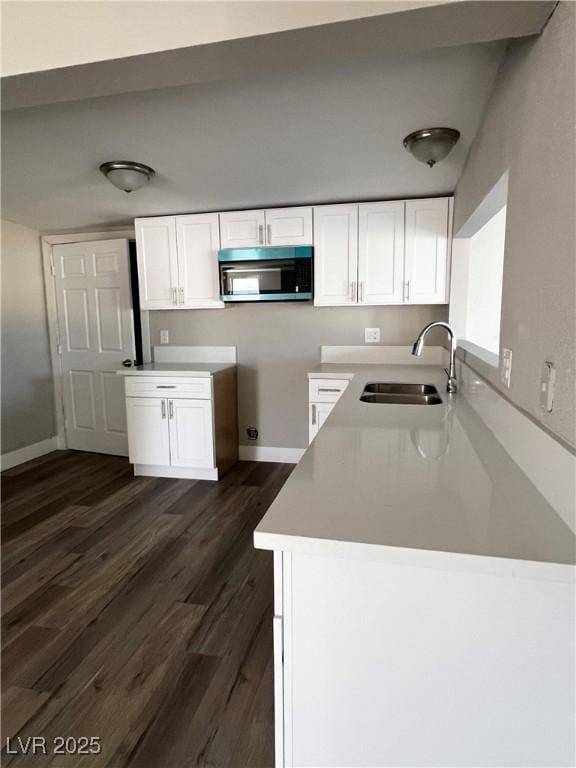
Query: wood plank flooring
point(136, 610)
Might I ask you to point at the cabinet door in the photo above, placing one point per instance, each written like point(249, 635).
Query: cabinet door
point(335, 254)
point(242, 229)
point(426, 262)
point(191, 435)
point(157, 262)
point(380, 253)
point(289, 226)
point(198, 239)
point(148, 439)
point(317, 415)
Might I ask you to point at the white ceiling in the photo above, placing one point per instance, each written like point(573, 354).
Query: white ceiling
point(42, 35)
point(323, 134)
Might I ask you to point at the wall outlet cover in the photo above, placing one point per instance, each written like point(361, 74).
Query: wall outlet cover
point(164, 337)
point(371, 335)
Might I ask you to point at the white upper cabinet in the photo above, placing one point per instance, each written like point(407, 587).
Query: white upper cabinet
point(335, 254)
point(395, 252)
point(178, 261)
point(198, 239)
point(380, 253)
point(427, 251)
point(289, 226)
point(242, 229)
point(157, 262)
point(277, 226)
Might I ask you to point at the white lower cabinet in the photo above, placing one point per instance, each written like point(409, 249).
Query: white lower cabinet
point(182, 427)
point(191, 443)
point(323, 394)
point(147, 431)
point(380, 664)
point(319, 412)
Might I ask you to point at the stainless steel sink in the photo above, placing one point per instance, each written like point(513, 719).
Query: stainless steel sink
point(394, 388)
point(400, 394)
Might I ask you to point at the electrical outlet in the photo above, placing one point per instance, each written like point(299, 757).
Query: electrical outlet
point(164, 337)
point(371, 335)
point(547, 384)
point(506, 367)
point(252, 433)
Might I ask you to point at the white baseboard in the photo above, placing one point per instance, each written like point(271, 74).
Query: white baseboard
point(186, 473)
point(29, 452)
point(263, 453)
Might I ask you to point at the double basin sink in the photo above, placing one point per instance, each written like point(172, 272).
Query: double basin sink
point(400, 394)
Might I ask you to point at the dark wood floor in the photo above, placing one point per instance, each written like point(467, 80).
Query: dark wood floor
point(136, 610)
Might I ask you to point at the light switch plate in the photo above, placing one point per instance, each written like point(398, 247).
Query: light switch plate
point(371, 335)
point(506, 366)
point(547, 383)
point(164, 337)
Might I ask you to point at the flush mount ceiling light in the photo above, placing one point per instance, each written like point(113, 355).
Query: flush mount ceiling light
point(430, 145)
point(127, 175)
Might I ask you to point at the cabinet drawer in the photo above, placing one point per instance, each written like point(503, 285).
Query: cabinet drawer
point(326, 390)
point(200, 388)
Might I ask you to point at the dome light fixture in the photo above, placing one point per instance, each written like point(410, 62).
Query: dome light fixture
point(430, 145)
point(127, 175)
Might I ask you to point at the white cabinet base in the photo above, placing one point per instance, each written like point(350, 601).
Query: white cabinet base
point(386, 665)
point(190, 473)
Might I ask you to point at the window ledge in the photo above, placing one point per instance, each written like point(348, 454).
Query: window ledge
point(491, 358)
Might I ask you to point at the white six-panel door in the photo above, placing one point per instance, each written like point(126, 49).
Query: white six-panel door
point(380, 253)
point(242, 229)
point(148, 430)
point(426, 259)
point(157, 262)
point(191, 434)
point(198, 238)
point(96, 333)
point(289, 226)
point(335, 254)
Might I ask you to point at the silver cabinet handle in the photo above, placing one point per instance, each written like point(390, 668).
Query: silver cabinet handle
point(353, 297)
point(163, 402)
point(165, 386)
point(407, 290)
point(261, 234)
point(313, 413)
point(174, 296)
point(361, 290)
point(171, 407)
point(328, 389)
point(269, 233)
point(181, 291)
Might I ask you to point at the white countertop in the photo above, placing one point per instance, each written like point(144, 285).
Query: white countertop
point(421, 485)
point(179, 369)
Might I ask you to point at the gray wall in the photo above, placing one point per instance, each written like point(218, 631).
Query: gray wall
point(528, 128)
point(278, 344)
point(27, 392)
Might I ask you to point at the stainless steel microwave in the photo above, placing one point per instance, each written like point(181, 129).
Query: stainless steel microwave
point(266, 274)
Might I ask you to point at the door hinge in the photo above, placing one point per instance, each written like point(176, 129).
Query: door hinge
point(52, 267)
point(59, 348)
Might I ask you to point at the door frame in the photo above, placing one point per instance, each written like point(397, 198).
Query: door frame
point(47, 242)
